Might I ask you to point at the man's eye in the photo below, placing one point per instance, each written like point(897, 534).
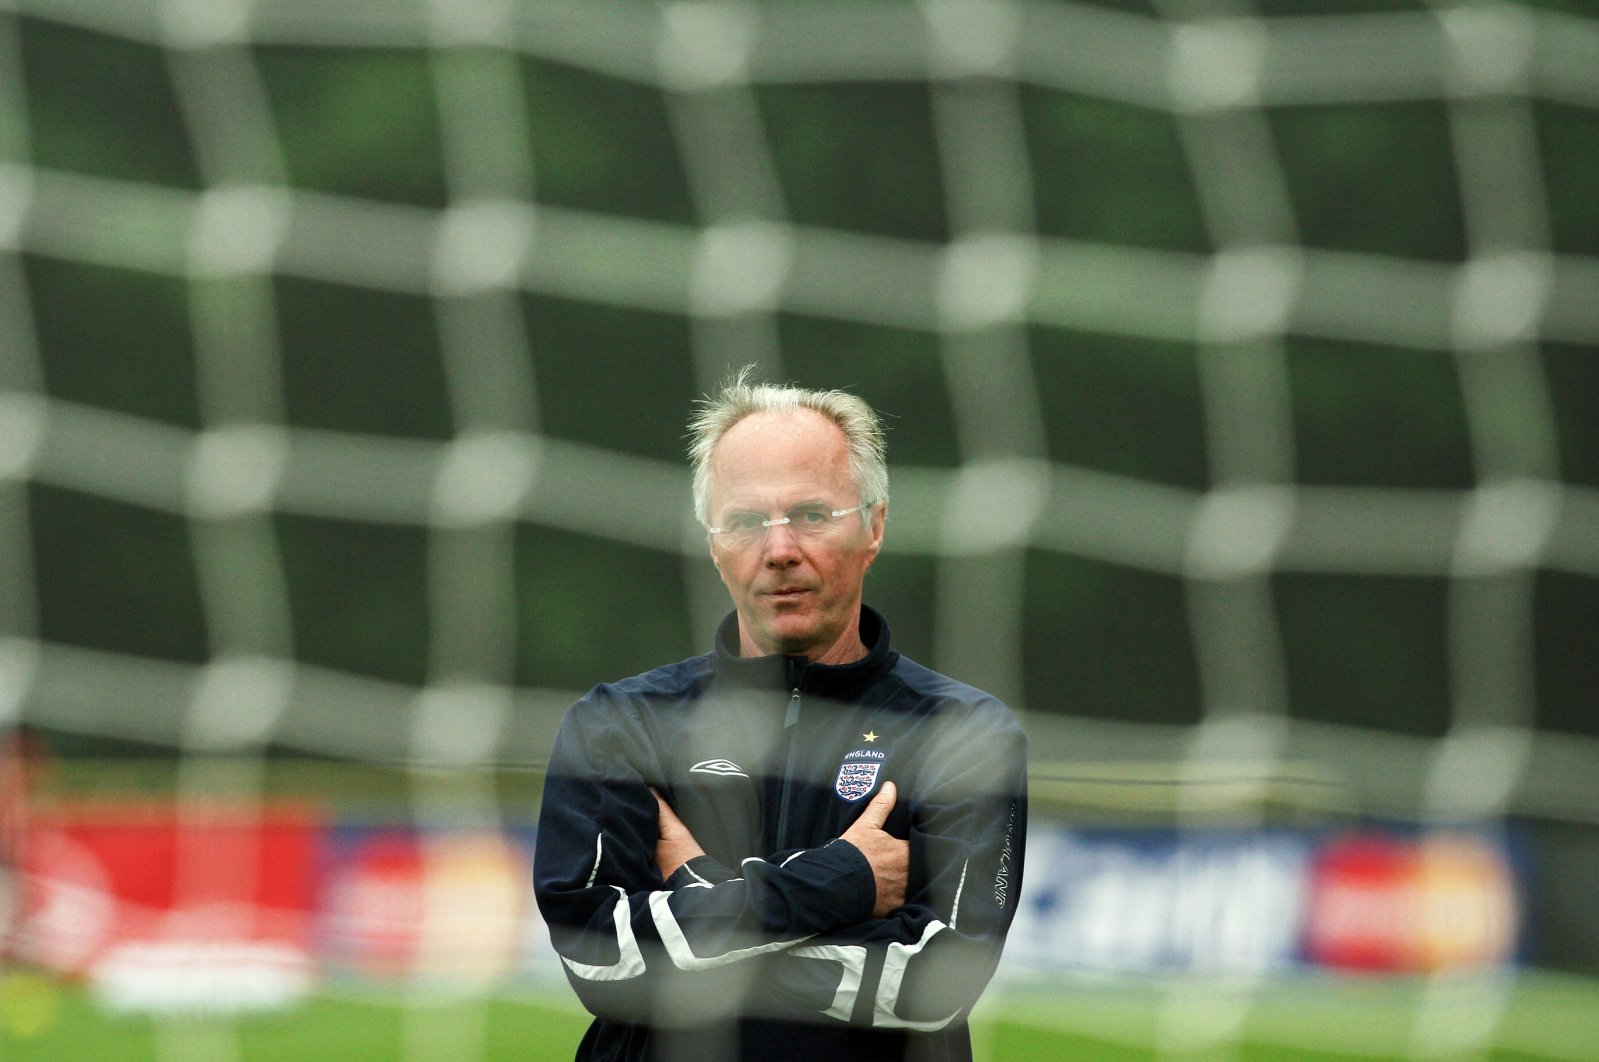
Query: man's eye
point(745, 522)
point(810, 516)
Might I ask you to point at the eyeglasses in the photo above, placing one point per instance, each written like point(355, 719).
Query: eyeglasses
point(809, 520)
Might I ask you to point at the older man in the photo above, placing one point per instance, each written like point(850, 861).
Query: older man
point(800, 845)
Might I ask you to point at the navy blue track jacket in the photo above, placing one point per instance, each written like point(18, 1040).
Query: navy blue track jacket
point(765, 947)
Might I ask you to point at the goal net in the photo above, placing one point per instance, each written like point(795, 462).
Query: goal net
point(1238, 356)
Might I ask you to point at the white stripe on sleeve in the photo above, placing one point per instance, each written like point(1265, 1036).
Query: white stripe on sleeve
point(888, 987)
point(853, 959)
point(677, 946)
point(629, 961)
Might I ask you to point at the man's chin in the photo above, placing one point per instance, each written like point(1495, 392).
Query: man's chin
point(792, 638)
point(794, 635)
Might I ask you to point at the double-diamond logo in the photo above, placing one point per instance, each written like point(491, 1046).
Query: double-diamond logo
point(726, 768)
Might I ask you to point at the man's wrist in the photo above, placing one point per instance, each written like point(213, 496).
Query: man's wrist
point(857, 884)
point(699, 870)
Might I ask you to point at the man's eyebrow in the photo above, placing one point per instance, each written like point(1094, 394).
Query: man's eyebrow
point(751, 507)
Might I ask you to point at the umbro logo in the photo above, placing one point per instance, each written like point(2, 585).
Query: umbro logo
point(723, 767)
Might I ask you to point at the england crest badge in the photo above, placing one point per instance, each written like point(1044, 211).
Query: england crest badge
point(856, 779)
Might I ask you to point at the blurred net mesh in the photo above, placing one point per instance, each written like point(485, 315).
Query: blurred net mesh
point(1214, 68)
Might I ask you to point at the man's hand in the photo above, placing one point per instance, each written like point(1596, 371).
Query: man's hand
point(888, 855)
point(677, 845)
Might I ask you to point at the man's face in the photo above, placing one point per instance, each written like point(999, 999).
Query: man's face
point(795, 594)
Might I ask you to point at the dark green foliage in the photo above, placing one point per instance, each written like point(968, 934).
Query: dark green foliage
point(361, 361)
point(103, 106)
point(857, 156)
point(1107, 642)
point(114, 577)
point(1377, 416)
point(603, 144)
point(1566, 136)
point(1366, 650)
point(1109, 171)
point(902, 587)
point(1127, 406)
point(357, 123)
point(612, 377)
point(1567, 669)
point(1573, 375)
point(597, 611)
point(115, 338)
point(358, 594)
point(1377, 178)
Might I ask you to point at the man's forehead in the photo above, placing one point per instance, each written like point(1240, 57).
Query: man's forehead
point(773, 438)
point(774, 449)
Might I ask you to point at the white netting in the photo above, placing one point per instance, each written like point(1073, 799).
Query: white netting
point(1216, 68)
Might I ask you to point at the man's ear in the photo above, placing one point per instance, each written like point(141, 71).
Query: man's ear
point(879, 519)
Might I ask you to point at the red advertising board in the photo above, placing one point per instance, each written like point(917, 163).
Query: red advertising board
point(165, 904)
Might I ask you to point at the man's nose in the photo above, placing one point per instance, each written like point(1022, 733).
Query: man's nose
point(782, 545)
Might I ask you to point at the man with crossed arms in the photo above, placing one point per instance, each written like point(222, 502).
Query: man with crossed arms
point(800, 845)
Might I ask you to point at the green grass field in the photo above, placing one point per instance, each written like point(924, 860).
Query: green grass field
point(1537, 1017)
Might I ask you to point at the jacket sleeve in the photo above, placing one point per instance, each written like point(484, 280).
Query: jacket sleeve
point(635, 950)
point(923, 967)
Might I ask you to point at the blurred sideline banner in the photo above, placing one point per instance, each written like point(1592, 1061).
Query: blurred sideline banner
point(453, 907)
point(1262, 900)
point(165, 906)
point(158, 906)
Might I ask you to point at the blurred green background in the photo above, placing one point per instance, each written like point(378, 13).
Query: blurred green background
point(1102, 640)
point(139, 108)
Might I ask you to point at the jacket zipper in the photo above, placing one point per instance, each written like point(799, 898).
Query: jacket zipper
point(789, 722)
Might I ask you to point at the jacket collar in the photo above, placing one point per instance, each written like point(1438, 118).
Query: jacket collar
point(780, 671)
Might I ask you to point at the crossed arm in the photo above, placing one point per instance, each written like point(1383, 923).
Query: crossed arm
point(889, 856)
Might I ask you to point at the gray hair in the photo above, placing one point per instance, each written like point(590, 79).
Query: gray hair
point(716, 414)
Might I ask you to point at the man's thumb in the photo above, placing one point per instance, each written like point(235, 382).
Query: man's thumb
point(876, 812)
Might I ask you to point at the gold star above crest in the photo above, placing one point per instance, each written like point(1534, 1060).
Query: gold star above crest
point(870, 735)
